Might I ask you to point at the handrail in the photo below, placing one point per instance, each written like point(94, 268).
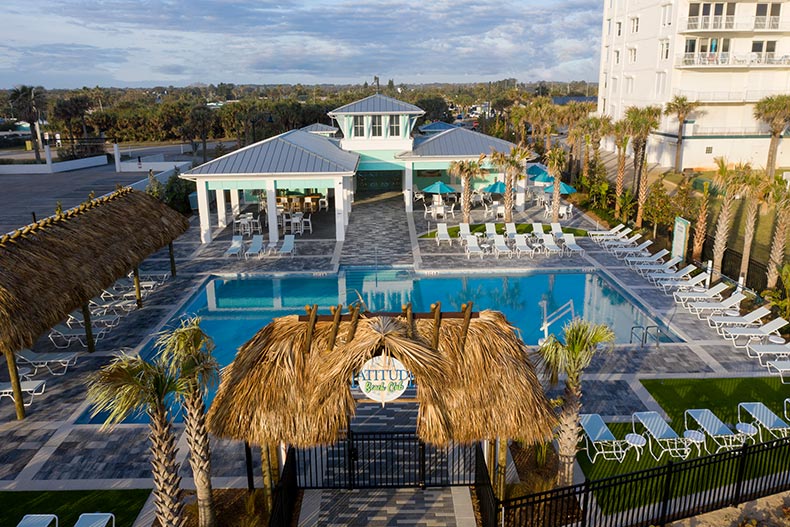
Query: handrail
point(558, 313)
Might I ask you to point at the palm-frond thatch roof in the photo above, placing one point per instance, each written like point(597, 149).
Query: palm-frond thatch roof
point(56, 265)
point(276, 390)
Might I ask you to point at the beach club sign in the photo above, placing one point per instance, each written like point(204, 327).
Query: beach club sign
point(383, 379)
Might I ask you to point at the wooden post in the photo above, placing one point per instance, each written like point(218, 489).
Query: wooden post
point(436, 309)
point(313, 312)
point(137, 293)
point(336, 313)
point(407, 310)
point(467, 309)
point(86, 319)
point(266, 470)
point(172, 260)
point(248, 462)
point(352, 327)
point(501, 467)
point(16, 387)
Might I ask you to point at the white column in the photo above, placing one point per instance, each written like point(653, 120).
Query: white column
point(48, 155)
point(340, 209)
point(234, 202)
point(349, 196)
point(521, 197)
point(408, 183)
point(222, 215)
point(211, 296)
point(116, 153)
point(204, 212)
point(271, 211)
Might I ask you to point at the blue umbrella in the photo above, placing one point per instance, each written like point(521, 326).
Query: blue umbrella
point(564, 188)
point(438, 188)
point(497, 187)
point(543, 177)
point(535, 170)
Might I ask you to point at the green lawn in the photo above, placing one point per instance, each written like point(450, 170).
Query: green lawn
point(521, 228)
point(68, 505)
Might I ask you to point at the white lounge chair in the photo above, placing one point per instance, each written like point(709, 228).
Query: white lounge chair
point(753, 333)
point(490, 230)
point(463, 232)
point(99, 306)
point(235, 247)
point(705, 309)
point(537, 231)
point(610, 232)
point(556, 231)
point(600, 441)
point(654, 259)
point(723, 321)
point(60, 361)
point(623, 252)
point(442, 235)
point(764, 419)
point(665, 267)
point(781, 367)
point(720, 434)
point(63, 336)
point(656, 277)
point(510, 230)
point(570, 244)
point(769, 352)
point(523, 247)
point(96, 519)
point(686, 298)
point(76, 319)
point(660, 436)
point(255, 248)
point(31, 388)
point(619, 235)
point(550, 246)
point(472, 247)
point(500, 247)
point(38, 520)
point(610, 245)
point(683, 284)
point(287, 246)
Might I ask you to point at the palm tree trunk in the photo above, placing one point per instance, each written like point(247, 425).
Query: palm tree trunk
point(701, 227)
point(200, 456)
point(501, 467)
point(770, 167)
point(778, 245)
point(266, 470)
point(555, 198)
point(547, 139)
point(642, 187)
point(723, 225)
point(167, 482)
point(568, 436)
point(466, 198)
point(752, 207)
point(618, 189)
point(586, 163)
point(679, 145)
point(509, 180)
point(34, 134)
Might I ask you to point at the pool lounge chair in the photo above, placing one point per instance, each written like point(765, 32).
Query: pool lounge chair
point(570, 244)
point(76, 320)
point(38, 520)
point(769, 352)
point(463, 232)
point(654, 259)
point(706, 309)
point(235, 247)
point(537, 230)
point(287, 246)
point(31, 388)
point(723, 321)
point(682, 284)
point(100, 306)
point(619, 235)
point(96, 519)
point(764, 419)
point(753, 333)
point(780, 367)
point(556, 231)
point(685, 298)
point(720, 434)
point(442, 235)
point(522, 246)
point(664, 267)
point(550, 246)
point(255, 248)
point(472, 247)
point(623, 252)
point(500, 247)
point(656, 277)
point(610, 232)
point(510, 230)
point(599, 440)
point(660, 436)
point(60, 361)
point(63, 336)
point(610, 245)
point(490, 230)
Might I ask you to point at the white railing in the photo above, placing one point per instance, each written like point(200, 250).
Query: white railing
point(728, 96)
point(731, 23)
point(746, 130)
point(697, 60)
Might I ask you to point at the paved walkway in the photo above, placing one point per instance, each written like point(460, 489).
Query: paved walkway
point(378, 233)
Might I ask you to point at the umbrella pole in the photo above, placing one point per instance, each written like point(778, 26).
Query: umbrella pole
point(137, 293)
point(86, 319)
point(172, 259)
point(16, 387)
point(248, 462)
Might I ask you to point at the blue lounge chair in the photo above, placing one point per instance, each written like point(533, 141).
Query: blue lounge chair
point(761, 416)
point(96, 519)
point(235, 247)
point(38, 520)
point(599, 440)
point(721, 434)
point(660, 436)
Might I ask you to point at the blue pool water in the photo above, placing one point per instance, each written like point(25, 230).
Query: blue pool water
point(233, 310)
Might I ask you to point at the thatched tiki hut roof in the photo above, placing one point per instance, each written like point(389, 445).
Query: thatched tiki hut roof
point(277, 390)
point(58, 264)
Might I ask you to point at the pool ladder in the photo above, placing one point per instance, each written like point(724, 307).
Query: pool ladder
point(645, 333)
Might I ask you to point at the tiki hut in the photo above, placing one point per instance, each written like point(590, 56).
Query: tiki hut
point(56, 265)
point(290, 382)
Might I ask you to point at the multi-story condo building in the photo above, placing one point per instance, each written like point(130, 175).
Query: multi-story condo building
point(726, 56)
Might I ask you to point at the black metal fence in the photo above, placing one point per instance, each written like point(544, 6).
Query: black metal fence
point(285, 494)
point(487, 503)
point(757, 279)
point(660, 495)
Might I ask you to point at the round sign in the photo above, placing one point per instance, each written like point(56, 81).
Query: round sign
point(383, 379)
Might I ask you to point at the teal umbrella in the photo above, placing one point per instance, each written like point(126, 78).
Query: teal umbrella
point(543, 177)
point(535, 170)
point(497, 187)
point(564, 188)
point(438, 188)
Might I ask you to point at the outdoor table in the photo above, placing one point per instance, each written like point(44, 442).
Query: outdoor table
point(775, 339)
point(637, 442)
point(747, 429)
point(733, 313)
point(296, 223)
point(697, 439)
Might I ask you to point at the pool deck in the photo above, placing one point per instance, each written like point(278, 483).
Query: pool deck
point(48, 450)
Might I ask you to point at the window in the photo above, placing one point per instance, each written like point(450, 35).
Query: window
point(614, 85)
point(664, 50)
point(635, 25)
point(394, 125)
point(359, 126)
point(375, 126)
point(661, 82)
point(619, 28)
point(666, 15)
point(629, 84)
point(617, 56)
point(632, 55)
point(767, 16)
point(708, 149)
point(608, 26)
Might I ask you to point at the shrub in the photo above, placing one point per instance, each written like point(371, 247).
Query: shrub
point(176, 193)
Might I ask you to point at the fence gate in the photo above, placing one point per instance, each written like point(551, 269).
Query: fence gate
point(385, 459)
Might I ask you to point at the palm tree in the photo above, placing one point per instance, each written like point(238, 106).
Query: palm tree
point(27, 103)
point(189, 350)
point(727, 183)
point(555, 160)
point(755, 188)
point(641, 121)
point(780, 197)
point(774, 111)
point(582, 341)
point(467, 171)
point(621, 139)
point(681, 108)
point(130, 385)
point(512, 166)
point(701, 225)
point(600, 127)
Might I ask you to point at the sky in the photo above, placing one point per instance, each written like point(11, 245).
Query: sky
point(137, 43)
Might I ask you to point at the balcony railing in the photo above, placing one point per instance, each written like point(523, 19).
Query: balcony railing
point(727, 96)
point(737, 60)
point(751, 130)
point(732, 23)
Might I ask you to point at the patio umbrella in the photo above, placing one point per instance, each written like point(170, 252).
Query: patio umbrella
point(536, 170)
point(497, 187)
point(564, 188)
point(438, 188)
point(543, 177)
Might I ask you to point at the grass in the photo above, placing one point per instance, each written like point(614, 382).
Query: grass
point(521, 228)
point(68, 505)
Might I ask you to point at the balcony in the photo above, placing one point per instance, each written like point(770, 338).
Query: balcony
point(727, 96)
point(732, 23)
point(730, 131)
point(730, 60)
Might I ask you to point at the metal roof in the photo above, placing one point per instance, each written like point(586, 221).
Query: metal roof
point(319, 128)
point(376, 104)
point(289, 153)
point(437, 126)
point(459, 142)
